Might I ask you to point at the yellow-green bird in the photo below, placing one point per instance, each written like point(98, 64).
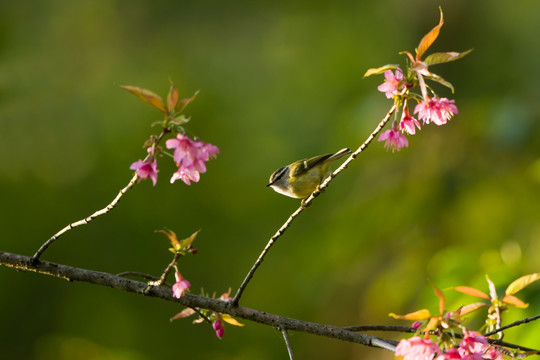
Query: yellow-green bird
point(301, 178)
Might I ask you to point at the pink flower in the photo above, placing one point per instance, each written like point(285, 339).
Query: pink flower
point(450, 354)
point(475, 346)
point(408, 123)
point(218, 327)
point(394, 139)
point(146, 169)
point(438, 110)
point(190, 156)
point(180, 286)
point(391, 84)
point(417, 348)
point(186, 175)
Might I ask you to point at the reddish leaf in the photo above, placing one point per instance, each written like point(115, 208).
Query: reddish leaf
point(147, 96)
point(172, 98)
point(512, 300)
point(183, 314)
point(522, 282)
point(185, 102)
point(440, 58)
point(429, 38)
point(172, 238)
point(471, 291)
point(380, 70)
point(417, 315)
point(440, 295)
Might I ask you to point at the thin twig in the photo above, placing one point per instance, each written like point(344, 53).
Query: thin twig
point(69, 273)
point(515, 323)
point(103, 211)
point(287, 342)
point(306, 202)
point(166, 272)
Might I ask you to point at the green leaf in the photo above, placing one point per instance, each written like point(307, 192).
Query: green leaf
point(522, 282)
point(187, 241)
point(440, 80)
point(147, 96)
point(429, 38)
point(440, 58)
point(185, 102)
point(380, 70)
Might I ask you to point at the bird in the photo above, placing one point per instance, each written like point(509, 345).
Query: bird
point(302, 177)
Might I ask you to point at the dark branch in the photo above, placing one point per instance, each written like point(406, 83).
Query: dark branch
point(69, 273)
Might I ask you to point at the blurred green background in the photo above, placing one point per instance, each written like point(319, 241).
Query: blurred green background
point(279, 81)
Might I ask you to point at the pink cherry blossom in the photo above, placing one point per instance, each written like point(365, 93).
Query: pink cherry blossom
point(218, 327)
point(180, 286)
point(146, 169)
point(394, 140)
point(438, 110)
point(417, 348)
point(408, 124)
point(391, 84)
point(450, 354)
point(475, 346)
point(190, 157)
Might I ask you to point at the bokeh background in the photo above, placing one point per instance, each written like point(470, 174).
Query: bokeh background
point(278, 81)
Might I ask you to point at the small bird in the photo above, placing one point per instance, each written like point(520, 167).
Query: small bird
point(301, 178)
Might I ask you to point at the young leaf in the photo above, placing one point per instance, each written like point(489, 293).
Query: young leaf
point(380, 70)
point(183, 314)
point(172, 238)
point(417, 315)
point(440, 295)
point(185, 102)
point(440, 58)
point(230, 320)
point(172, 98)
point(471, 291)
point(187, 241)
point(492, 289)
point(522, 282)
point(440, 80)
point(429, 38)
point(147, 96)
point(512, 300)
point(467, 309)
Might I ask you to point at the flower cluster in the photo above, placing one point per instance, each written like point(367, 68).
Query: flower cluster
point(397, 85)
point(473, 347)
point(189, 155)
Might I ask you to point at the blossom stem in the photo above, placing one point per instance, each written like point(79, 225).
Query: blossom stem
point(163, 276)
point(103, 211)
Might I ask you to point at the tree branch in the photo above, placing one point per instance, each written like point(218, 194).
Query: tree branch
point(23, 263)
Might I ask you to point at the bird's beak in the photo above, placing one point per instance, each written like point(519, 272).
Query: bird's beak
point(267, 185)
